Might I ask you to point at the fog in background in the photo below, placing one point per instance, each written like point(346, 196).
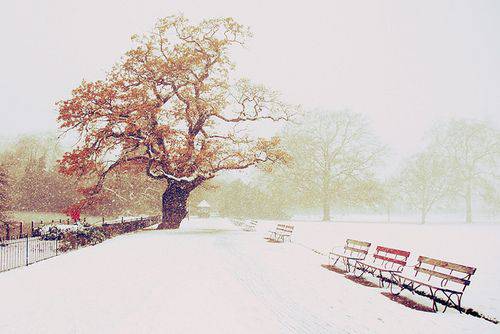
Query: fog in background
point(405, 65)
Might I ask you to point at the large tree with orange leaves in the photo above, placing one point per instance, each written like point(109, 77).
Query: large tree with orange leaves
point(170, 108)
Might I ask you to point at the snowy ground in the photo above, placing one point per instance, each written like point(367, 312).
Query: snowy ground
point(211, 277)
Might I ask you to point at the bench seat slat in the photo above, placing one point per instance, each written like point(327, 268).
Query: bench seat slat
point(381, 268)
point(435, 286)
point(393, 251)
point(443, 275)
point(281, 232)
point(357, 250)
point(350, 257)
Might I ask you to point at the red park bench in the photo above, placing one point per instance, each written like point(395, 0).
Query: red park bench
point(281, 233)
point(385, 260)
point(353, 250)
point(448, 278)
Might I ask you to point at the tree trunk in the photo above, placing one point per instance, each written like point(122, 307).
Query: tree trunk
point(326, 187)
point(174, 202)
point(326, 207)
point(422, 217)
point(468, 204)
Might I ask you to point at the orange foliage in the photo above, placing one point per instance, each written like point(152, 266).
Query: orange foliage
point(169, 108)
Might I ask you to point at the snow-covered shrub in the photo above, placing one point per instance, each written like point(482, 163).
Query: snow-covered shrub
point(51, 232)
point(72, 236)
point(78, 235)
point(91, 234)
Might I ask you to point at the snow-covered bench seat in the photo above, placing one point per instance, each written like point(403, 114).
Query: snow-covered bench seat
point(450, 279)
point(281, 233)
point(384, 261)
point(352, 251)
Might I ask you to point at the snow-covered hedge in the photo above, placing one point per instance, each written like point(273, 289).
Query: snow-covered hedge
point(72, 236)
point(78, 235)
point(56, 231)
point(110, 229)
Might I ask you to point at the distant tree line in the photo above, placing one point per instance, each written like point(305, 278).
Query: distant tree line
point(30, 181)
point(460, 163)
point(4, 193)
point(334, 163)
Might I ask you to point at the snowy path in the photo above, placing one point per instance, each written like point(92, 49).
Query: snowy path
point(205, 278)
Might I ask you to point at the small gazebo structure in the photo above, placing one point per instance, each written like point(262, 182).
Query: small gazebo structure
point(203, 209)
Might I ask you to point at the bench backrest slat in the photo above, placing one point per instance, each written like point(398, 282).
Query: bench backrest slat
point(356, 246)
point(284, 229)
point(356, 250)
point(447, 265)
point(456, 273)
point(444, 276)
point(392, 255)
point(358, 243)
point(393, 251)
point(390, 259)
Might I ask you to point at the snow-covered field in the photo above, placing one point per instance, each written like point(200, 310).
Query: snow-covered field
point(211, 277)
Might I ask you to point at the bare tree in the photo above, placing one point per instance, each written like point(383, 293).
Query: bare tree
point(424, 181)
point(472, 149)
point(388, 195)
point(332, 152)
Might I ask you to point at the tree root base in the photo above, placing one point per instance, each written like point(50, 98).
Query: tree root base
point(167, 226)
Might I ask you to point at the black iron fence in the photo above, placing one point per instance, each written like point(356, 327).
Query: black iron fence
point(23, 252)
point(22, 247)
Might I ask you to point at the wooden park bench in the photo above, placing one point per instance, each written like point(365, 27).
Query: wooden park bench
point(352, 251)
point(450, 279)
point(385, 261)
point(250, 225)
point(281, 233)
point(237, 222)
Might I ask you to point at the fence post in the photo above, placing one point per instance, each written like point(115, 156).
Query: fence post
point(27, 250)
point(20, 230)
point(122, 220)
point(7, 227)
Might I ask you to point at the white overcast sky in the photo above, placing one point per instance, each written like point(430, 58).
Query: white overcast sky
point(403, 64)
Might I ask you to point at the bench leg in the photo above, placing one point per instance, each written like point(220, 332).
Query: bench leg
point(396, 282)
point(360, 267)
point(433, 297)
point(330, 262)
point(449, 301)
point(347, 264)
point(381, 279)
